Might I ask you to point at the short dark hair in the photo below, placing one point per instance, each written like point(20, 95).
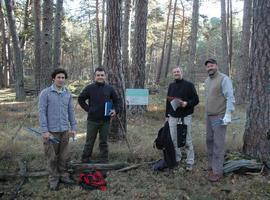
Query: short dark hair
point(99, 69)
point(59, 71)
point(211, 60)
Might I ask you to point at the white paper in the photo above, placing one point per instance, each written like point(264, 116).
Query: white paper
point(175, 103)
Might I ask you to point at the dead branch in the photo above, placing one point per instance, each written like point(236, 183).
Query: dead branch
point(135, 166)
point(105, 167)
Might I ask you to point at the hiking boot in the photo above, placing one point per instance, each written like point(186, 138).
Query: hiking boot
point(67, 180)
point(189, 167)
point(214, 177)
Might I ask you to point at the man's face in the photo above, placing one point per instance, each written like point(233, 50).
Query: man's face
point(100, 76)
point(59, 80)
point(177, 73)
point(211, 68)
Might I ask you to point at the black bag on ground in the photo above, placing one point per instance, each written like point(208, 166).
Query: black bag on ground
point(160, 165)
point(181, 133)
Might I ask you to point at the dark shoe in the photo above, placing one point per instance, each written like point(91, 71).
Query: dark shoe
point(67, 180)
point(214, 177)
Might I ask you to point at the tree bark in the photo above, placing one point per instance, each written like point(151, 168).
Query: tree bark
point(225, 58)
point(57, 34)
point(3, 64)
point(126, 42)
point(37, 43)
point(98, 35)
point(193, 40)
point(160, 66)
point(167, 66)
point(112, 62)
point(139, 44)
point(23, 35)
point(230, 36)
point(182, 34)
point(19, 84)
point(257, 130)
point(242, 70)
point(103, 28)
point(92, 69)
point(46, 58)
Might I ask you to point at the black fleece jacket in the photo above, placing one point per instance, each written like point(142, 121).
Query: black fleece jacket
point(97, 94)
point(186, 91)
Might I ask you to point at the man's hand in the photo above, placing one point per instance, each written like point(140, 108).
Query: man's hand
point(73, 134)
point(183, 104)
point(46, 136)
point(227, 118)
point(112, 113)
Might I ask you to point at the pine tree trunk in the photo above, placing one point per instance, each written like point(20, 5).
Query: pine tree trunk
point(57, 34)
point(46, 59)
point(103, 28)
point(225, 58)
point(139, 44)
point(98, 35)
point(112, 62)
point(183, 24)
point(22, 38)
point(167, 66)
point(3, 63)
point(193, 40)
point(230, 37)
point(242, 69)
point(125, 42)
point(257, 131)
point(160, 66)
point(92, 69)
point(19, 85)
point(37, 43)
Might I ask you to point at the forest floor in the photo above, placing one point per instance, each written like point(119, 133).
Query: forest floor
point(141, 183)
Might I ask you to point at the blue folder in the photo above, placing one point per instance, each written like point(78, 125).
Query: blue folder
point(108, 108)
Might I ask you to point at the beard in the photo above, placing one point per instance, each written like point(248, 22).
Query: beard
point(211, 72)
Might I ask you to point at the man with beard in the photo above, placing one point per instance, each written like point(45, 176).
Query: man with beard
point(181, 92)
point(93, 99)
point(219, 107)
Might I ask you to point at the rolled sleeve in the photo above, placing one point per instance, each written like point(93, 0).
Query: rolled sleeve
point(71, 115)
point(227, 90)
point(43, 111)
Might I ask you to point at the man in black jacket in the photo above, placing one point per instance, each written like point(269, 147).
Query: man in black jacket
point(98, 94)
point(181, 100)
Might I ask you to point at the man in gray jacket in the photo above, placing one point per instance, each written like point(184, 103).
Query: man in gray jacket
point(57, 120)
point(219, 107)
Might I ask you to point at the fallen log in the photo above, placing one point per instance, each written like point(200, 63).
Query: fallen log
point(9, 175)
point(73, 166)
point(76, 167)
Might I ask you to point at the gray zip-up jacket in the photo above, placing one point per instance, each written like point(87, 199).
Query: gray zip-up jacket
point(56, 111)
